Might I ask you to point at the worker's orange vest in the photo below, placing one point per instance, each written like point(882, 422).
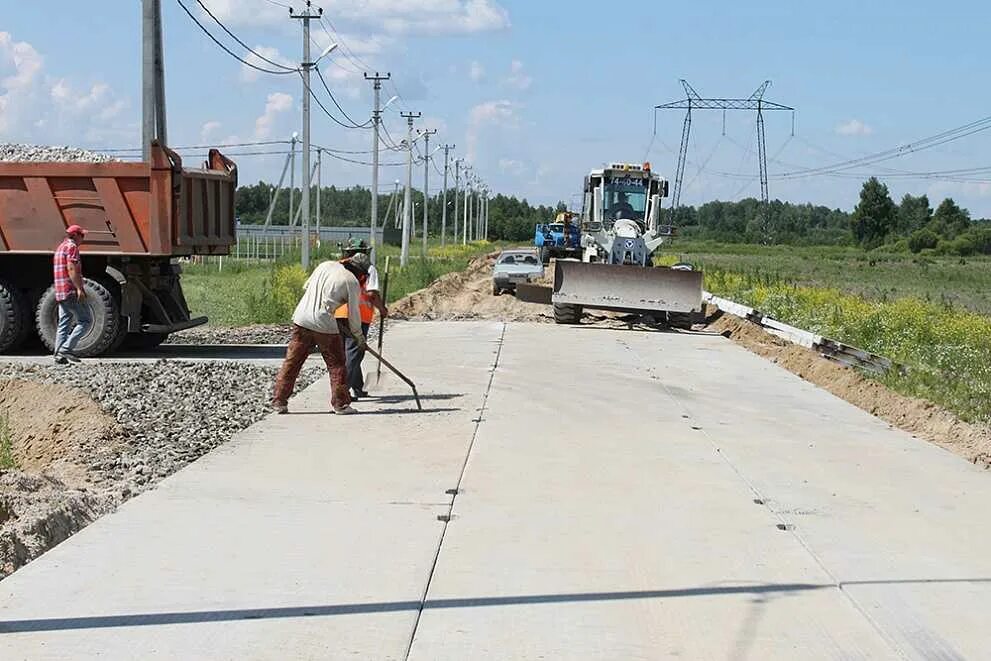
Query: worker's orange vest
point(365, 306)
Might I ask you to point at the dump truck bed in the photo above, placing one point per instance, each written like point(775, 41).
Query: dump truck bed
point(157, 208)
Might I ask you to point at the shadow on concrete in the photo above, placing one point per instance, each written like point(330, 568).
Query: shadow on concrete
point(198, 617)
point(215, 351)
point(361, 411)
point(398, 399)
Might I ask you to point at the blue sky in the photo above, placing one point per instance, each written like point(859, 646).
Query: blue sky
point(534, 93)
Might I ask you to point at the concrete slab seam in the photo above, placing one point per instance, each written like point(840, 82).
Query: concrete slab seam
point(455, 491)
point(782, 524)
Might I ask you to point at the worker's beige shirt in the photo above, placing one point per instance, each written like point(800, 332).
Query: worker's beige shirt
point(329, 287)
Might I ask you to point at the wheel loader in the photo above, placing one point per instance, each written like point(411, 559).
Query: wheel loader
point(620, 232)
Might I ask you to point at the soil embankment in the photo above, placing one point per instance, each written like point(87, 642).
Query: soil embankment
point(467, 295)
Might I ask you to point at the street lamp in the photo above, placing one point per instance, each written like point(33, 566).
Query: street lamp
point(326, 51)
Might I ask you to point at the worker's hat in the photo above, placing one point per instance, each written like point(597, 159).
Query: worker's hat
point(360, 261)
point(75, 229)
point(355, 245)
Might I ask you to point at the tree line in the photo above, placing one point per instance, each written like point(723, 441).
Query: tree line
point(876, 222)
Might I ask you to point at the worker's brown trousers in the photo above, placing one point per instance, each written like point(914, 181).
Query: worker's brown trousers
point(331, 348)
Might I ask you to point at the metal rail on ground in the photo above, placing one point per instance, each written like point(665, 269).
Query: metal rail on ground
point(834, 350)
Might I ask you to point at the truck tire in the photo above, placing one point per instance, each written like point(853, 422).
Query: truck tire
point(105, 331)
point(495, 289)
point(15, 322)
point(565, 313)
point(544, 255)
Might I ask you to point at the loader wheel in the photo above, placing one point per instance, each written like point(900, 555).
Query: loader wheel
point(15, 323)
point(104, 331)
point(565, 313)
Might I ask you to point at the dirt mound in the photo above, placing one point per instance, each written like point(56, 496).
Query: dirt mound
point(53, 427)
point(919, 417)
point(467, 295)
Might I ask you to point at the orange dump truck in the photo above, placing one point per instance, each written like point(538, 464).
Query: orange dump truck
point(140, 218)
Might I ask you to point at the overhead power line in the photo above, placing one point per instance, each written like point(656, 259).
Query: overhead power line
point(896, 152)
point(228, 50)
point(238, 40)
point(334, 99)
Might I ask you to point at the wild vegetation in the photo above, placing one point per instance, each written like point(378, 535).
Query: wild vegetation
point(244, 292)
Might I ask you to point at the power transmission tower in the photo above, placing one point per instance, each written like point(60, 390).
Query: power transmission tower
point(443, 215)
point(694, 101)
point(426, 133)
point(376, 121)
point(306, 16)
point(407, 198)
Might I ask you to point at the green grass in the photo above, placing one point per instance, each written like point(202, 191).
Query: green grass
point(918, 322)
point(244, 292)
point(7, 460)
point(952, 281)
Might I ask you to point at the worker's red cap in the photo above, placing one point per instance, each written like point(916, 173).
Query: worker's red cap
point(75, 229)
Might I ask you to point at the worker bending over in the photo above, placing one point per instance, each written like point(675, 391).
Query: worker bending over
point(331, 285)
point(370, 300)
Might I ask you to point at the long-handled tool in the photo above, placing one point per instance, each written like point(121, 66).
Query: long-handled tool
point(385, 300)
point(383, 361)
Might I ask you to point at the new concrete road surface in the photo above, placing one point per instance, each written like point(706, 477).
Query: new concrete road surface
point(619, 495)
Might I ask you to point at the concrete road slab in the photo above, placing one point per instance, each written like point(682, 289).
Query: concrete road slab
point(621, 495)
point(310, 536)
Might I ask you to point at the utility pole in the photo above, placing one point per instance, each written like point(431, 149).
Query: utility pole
point(407, 198)
point(319, 186)
point(153, 78)
point(464, 226)
point(426, 183)
point(376, 121)
point(443, 215)
point(292, 176)
point(457, 191)
point(306, 16)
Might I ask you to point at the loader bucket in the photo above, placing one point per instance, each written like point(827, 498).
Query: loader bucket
point(627, 288)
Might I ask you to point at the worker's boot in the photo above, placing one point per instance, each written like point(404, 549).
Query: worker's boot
point(347, 410)
point(280, 408)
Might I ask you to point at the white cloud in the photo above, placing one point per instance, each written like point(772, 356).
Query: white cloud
point(277, 104)
point(854, 127)
point(409, 17)
point(35, 107)
point(517, 77)
point(512, 166)
point(501, 113)
point(209, 130)
point(21, 62)
point(249, 74)
point(476, 71)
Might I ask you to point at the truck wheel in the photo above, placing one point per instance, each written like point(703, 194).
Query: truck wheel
point(544, 255)
point(495, 289)
point(104, 331)
point(565, 313)
point(15, 323)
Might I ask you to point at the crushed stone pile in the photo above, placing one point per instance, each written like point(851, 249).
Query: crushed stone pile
point(88, 437)
point(468, 295)
point(50, 153)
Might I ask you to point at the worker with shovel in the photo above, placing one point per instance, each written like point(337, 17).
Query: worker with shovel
point(331, 285)
point(370, 300)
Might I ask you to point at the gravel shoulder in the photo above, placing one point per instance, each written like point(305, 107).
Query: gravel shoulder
point(86, 438)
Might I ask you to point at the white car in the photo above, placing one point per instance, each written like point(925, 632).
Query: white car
point(513, 267)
